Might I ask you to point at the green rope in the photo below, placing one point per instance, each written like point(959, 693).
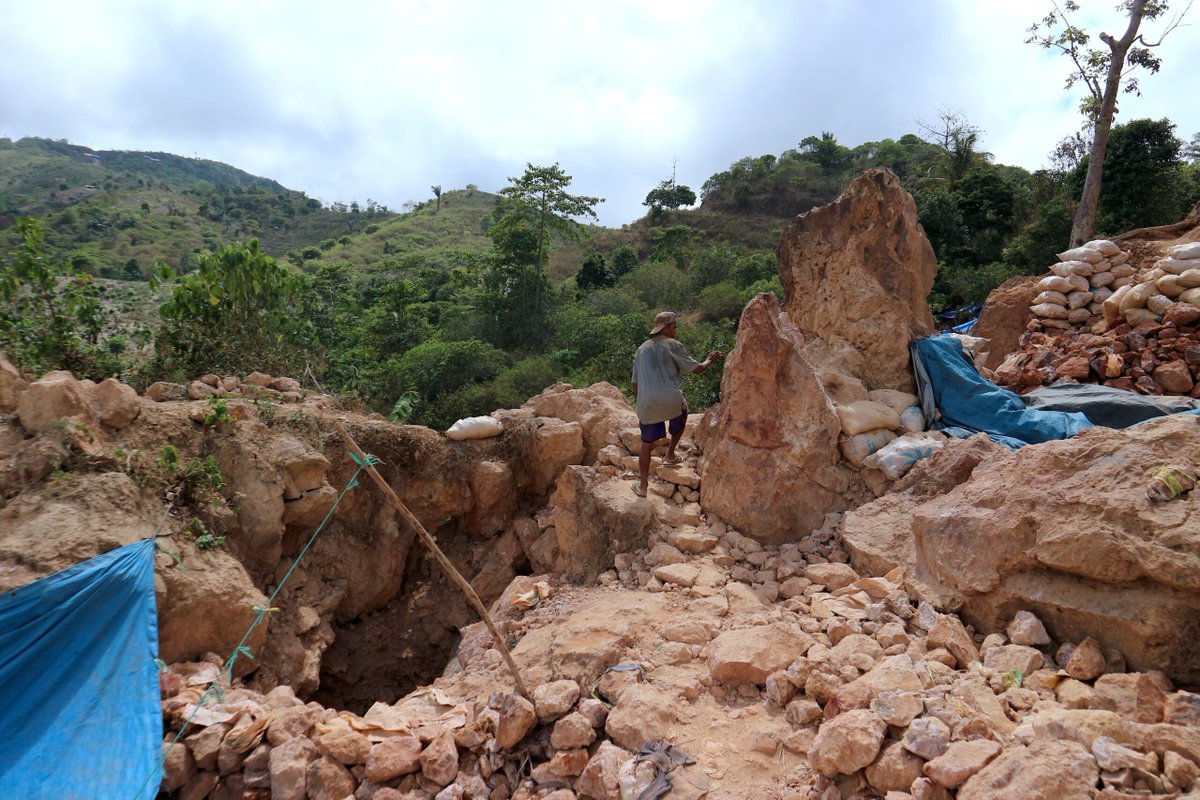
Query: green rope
point(241, 649)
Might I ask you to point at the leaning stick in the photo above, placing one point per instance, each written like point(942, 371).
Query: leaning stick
point(424, 536)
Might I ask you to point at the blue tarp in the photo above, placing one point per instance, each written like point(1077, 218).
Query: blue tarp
point(79, 702)
point(970, 403)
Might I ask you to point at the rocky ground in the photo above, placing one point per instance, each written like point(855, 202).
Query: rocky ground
point(773, 672)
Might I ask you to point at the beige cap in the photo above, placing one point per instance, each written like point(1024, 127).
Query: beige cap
point(661, 321)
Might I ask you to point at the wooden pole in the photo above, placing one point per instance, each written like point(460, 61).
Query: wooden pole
point(398, 504)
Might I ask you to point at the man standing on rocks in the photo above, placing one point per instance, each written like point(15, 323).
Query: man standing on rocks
point(660, 405)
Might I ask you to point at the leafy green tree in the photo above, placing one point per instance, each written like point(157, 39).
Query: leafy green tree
point(51, 317)
point(437, 193)
point(534, 208)
point(825, 152)
point(668, 195)
point(957, 139)
point(1143, 179)
point(624, 258)
point(235, 313)
point(594, 273)
point(986, 201)
point(1105, 73)
point(436, 368)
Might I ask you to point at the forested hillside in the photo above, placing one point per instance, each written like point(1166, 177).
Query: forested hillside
point(470, 301)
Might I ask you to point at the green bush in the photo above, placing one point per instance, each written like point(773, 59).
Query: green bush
point(660, 286)
point(437, 368)
point(722, 300)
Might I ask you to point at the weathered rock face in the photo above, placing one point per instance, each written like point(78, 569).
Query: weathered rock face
point(54, 396)
point(1063, 529)
point(599, 409)
point(1003, 318)
point(595, 519)
point(771, 467)
point(11, 385)
point(857, 273)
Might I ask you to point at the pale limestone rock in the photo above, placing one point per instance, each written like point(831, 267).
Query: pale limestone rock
point(517, 718)
point(599, 780)
point(11, 385)
point(199, 390)
point(678, 574)
point(439, 759)
point(571, 732)
point(345, 746)
point(301, 467)
point(770, 459)
point(494, 496)
point(750, 655)
point(555, 699)
point(894, 770)
point(556, 445)
point(393, 757)
point(898, 709)
point(856, 273)
point(117, 405)
point(1013, 656)
point(927, 737)
point(1027, 629)
point(178, 766)
point(53, 397)
point(679, 474)
point(642, 714)
point(1087, 661)
point(960, 761)
point(327, 779)
point(1112, 757)
point(599, 410)
point(948, 632)
point(258, 379)
point(289, 768)
point(847, 743)
point(1045, 770)
point(832, 576)
point(595, 519)
point(162, 391)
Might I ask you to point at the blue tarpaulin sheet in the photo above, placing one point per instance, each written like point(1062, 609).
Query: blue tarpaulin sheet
point(970, 403)
point(79, 702)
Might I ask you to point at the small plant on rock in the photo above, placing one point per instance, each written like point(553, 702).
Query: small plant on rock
point(203, 537)
point(218, 412)
point(267, 411)
point(168, 459)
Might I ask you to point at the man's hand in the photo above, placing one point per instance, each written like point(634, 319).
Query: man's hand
point(715, 355)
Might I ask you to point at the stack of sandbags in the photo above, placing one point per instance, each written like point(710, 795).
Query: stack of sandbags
point(1174, 279)
point(1080, 283)
point(871, 424)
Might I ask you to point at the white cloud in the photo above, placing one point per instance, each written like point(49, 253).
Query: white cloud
point(382, 99)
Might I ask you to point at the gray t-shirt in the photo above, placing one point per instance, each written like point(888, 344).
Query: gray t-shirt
point(656, 369)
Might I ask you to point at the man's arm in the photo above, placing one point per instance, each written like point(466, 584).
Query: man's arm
point(714, 356)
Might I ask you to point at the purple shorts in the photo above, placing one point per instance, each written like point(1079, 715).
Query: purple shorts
point(658, 430)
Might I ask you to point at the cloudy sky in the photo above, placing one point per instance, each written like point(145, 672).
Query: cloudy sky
point(381, 100)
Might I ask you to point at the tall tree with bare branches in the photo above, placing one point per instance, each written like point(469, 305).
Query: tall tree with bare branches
point(1105, 73)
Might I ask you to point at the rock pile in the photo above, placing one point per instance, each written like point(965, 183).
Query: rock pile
point(255, 385)
point(1139, 336)
point(779, 671)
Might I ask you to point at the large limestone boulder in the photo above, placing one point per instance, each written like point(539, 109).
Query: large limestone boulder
point(596, 518)
point(55, 396)
point(1004, 316)
point(1065, 530)
point(856, 273)
point(771, 467)
point(599, 409)
point(117, 404)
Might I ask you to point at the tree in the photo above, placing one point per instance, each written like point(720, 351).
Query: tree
point(825, 152)
point(437, 192)
point(1104, 73)
point(957, 138)
point(50, 317)
point(1142, 177)
point(534, 208)
point(668, 194)
point(235, 313)
point(594, 274)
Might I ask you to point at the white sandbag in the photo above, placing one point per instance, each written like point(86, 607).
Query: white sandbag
point(893, 398)
point(1055, 283)
point(1175, 266)
point(1106, 247)
point(1159, 303)
point(1139, 316)
point(912, 420)
point(1078, 283)
point(1101, 266)
point(1063, 268)
point(1101, 279)
point(1049, 311)
point(1119, 282)
point(973, 347)
point(1096, 308)
point(1088, 254)
point(1101, 294)
point(1186, 250)
point(1112, 306)
point(1189, 279)
point(1077, 316)
point(856, 448)
point(1122, 270)
point(1078, 299)
point(1170, 286)
point(1080, 268)
point(1119, 258)
point(474, 428)
point(1058, 298)
point(1191, 296)
point(866, 415)
point(898, 456)
point(1138, 295)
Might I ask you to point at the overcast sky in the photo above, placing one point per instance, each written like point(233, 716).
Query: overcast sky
point(381, 100)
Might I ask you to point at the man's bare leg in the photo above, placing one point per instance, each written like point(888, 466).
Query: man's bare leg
point(675, 437)
point(644, 465)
